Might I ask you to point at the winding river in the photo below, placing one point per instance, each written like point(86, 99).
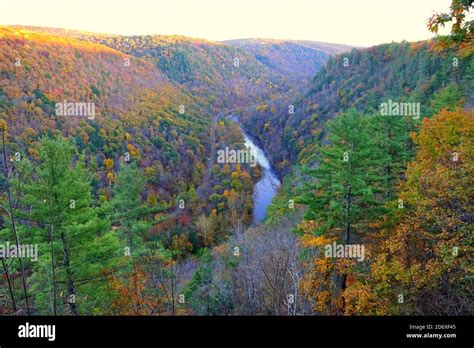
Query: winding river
point(266, 188)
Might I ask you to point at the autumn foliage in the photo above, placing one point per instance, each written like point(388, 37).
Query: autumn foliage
point(420, 262)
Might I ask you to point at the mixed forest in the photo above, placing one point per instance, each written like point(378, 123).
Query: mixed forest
point(131, 214)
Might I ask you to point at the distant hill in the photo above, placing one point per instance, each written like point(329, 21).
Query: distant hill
point(222, 74)
point(229, 74)
point(295, 60)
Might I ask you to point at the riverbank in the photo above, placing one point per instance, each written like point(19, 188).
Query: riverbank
point(267, 187)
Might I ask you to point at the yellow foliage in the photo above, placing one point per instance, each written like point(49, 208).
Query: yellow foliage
point(152, 199)
point(109, 163)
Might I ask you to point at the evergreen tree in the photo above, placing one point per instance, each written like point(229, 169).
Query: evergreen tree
point(347, 182)
point(347, 177)
point(129, 212)
point(198, 290)
point(448, 98)
point(391, 136)
point(76, 247)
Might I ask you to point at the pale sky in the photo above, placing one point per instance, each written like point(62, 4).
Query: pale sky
point(353, 22)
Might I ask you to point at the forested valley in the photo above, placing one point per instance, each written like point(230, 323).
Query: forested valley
point(129, 211)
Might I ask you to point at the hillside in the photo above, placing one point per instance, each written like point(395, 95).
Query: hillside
point(89, 125)
point(155, 175)
point(136, 107)
point(398, 71)
point(297, 61)
point(228, 74)
point(223, 75)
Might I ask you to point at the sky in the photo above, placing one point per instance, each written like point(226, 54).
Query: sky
point(353, 22)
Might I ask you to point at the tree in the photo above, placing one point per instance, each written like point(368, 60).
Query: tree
point(346, 179)
point(344, 192)
point(55, 203)
point(391, 135)
point(199, 291)
point(461, 29)
point(10, 221)
point(448, 98)
point(128, 211)
point(267, 276)
point(423, 253)
point(206, 229)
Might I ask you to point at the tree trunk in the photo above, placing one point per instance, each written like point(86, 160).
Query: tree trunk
point(70, 283)
point(5, 268)
point(347, 237)
point(10, 205)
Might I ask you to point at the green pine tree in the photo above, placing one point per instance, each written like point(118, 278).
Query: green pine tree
point(347, 184)
point(448, 98)
point(348, 178)
point(76, 248)
point(391, 135)
point(129, 213)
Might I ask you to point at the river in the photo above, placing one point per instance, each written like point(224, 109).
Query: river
point(267, 187)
